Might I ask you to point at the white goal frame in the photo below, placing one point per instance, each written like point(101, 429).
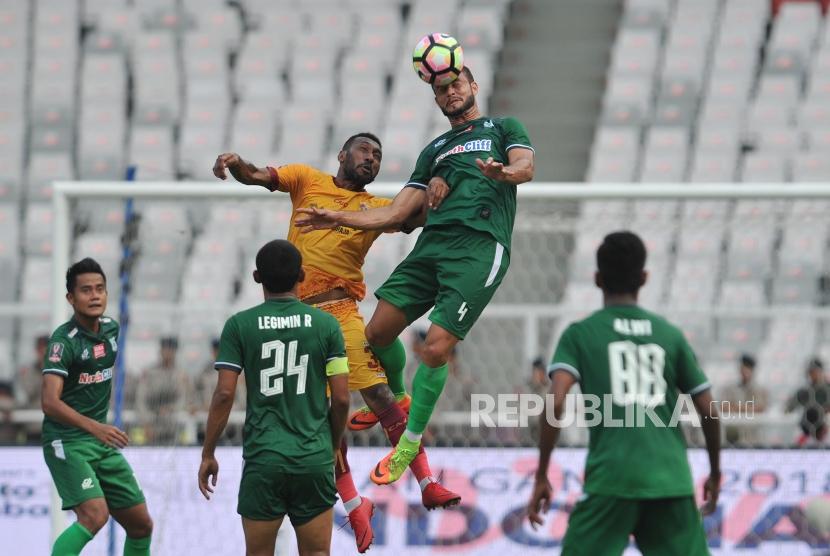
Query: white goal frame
point(64, 192)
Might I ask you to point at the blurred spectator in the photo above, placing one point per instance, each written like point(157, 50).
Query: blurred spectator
point(206, 380)
point(736, 397)
point(10, 432)
point(30, 377)
point(163, 396)
point(814, 401)
point(538, 382)
point(204, 386)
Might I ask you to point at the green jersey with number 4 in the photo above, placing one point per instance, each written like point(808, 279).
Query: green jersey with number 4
point(475, 200)
point(287, 350)
point(634, 365)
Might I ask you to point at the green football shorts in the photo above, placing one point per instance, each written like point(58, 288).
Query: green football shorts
point(87, 469)
point(601, 525)
point(452, 268)
point(266, 493)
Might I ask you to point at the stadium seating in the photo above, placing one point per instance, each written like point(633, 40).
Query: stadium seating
point(738, 115)
point(697, 91)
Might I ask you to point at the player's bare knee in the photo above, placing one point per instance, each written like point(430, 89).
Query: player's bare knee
point(378, 397)
point(93, 516)
point(376, 336)
point(140, 530)
point(435, 353)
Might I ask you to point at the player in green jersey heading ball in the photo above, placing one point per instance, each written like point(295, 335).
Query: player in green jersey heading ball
point(81, 450)
point(636, 365)
point(467, 177)
point(290, 353)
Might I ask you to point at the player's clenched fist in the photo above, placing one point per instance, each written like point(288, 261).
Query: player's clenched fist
point(223, 161)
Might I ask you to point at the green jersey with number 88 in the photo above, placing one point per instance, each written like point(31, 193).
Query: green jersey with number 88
point(635, 364)
point(287, 350)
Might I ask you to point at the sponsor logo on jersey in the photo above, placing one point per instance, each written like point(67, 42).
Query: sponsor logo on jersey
point(99, 351)
point(85, 354)
point(113, 344)
point(469, 146)
point(489, 123)
point(86, 484)
point(56, 352)
point(95, 378)
point(439, 143)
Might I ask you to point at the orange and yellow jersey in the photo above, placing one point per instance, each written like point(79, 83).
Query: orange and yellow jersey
point(331, 258)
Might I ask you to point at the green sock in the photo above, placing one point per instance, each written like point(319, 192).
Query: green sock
point(72, 540)
point(137, 547)
point(393, 360)
point(426, 389)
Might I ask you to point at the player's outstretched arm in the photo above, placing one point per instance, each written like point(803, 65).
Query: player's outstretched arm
point(407, 203)
point(711, 434)
point(519, 169)
point(243, 171)
point(548, 436)
point(339, 412)
point(220, 410)
point(57, 409)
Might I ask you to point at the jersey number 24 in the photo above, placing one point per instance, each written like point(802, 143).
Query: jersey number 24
point(270, 379)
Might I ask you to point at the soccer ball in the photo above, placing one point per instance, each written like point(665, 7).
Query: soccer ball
point(438, 59)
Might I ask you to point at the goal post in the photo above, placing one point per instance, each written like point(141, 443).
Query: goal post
point(528, 315)
point(64, 192)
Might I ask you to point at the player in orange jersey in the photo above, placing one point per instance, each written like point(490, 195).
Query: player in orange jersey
point(333, 261)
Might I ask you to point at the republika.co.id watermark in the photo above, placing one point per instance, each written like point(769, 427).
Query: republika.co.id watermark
point(587, 410)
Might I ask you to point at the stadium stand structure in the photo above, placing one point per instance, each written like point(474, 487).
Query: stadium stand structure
point(166, 85)
point(697, 90)
point(710, 91)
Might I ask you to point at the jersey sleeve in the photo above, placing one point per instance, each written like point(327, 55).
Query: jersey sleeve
point(515, 135)
point(566, 357)
point(58, 357)
point(230, 348)
point(290, 178)
point(336, 362)
point(422, 173)
point(690, 378)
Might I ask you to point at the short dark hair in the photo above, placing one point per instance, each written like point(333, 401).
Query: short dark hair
point(84, 266)
point(464, 71)
point(363, 134)
point(620, 260)
point(7, 388)
point(815, 363)
point(747, 360)
point(170, 342)
point(279, 264)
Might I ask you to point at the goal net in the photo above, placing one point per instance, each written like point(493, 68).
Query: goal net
point(740, 268)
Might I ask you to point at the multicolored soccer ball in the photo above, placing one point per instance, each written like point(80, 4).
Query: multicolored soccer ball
point(438, 59)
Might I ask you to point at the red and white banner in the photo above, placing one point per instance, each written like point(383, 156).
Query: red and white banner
point(773, 502)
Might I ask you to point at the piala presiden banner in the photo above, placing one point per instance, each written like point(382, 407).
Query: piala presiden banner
point(773, 502)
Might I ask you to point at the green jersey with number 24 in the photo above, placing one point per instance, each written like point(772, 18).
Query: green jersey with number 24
point(635, 364)
point(287, 350)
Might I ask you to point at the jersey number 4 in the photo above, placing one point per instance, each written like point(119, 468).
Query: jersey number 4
point(637, 373)
point(270, 379)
